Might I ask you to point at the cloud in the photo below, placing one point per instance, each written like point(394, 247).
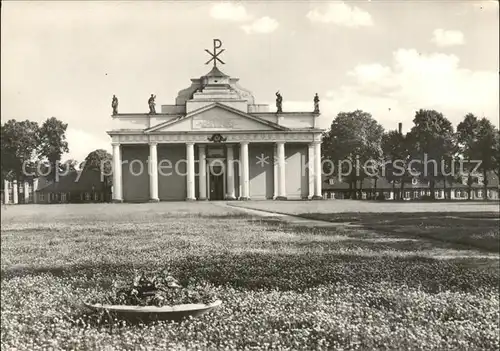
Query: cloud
point(262, 25)
point(341, 14)
point(413, 81)
point(229, 11)
point(444, 38)
point(434, 81)
point(369, 74)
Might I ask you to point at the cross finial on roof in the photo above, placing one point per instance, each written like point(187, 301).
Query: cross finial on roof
point(215, 54)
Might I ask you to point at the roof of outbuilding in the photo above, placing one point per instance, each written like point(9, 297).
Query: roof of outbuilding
point(75, 181)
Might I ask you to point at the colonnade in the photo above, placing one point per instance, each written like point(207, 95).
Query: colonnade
point(314, 174)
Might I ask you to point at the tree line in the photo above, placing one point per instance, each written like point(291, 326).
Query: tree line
point(372, 152)
point(30, 149)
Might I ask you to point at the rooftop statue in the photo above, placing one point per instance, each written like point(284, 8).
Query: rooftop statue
point(316, 103)
point(114, 105)
point(151, 103)
point(279, 101)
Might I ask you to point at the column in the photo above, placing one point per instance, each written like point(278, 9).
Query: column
point(230, 173)
point(244, 169)
point(190, 171)
point(6, 192)
point(117, 173)
point(275, 172)
point(14, 192)
point(26, 192)
point(153, 172)
point(35, 186)
point(310, 169)
point(281, 170)
point(202, 177)
point(317, 171)
point(240, 185)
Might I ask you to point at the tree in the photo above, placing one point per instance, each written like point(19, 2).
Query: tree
point(479, 143)
point(69, 165)
point(374, 170)
point(53, 142)
point(396, 156)
point(487, 147)
point(102, 161)
point(433, 142)
point(496, 157)
point(98, 159)
point(467, 139)
point(353, 139)
point(19, 142)
point(453, 170)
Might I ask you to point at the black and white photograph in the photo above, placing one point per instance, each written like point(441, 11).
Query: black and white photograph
point(250, 175)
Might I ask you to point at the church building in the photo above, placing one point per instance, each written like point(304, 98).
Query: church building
point(216, 143)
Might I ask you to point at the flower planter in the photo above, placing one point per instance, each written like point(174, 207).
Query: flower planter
point(175, 312)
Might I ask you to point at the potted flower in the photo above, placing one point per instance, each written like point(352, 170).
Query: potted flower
point(157, 297)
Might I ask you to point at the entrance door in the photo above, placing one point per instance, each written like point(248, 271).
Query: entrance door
point(216, 183)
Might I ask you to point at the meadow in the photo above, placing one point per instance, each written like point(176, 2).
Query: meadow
point(391, 281)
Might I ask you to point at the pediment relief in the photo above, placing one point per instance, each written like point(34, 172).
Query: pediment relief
point(217, 118)
point(221, 119)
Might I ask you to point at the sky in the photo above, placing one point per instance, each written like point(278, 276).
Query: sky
point(390, 58)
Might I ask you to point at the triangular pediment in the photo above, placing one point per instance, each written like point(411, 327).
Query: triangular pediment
point(216, 117)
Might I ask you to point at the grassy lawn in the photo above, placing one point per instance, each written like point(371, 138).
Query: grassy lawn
point(473, 224)
point(283, 287)
point(345, 206)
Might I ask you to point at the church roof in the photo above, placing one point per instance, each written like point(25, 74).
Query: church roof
point(215, 72)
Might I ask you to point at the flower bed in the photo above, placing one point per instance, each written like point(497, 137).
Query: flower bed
point(157, 297)
point(160, 290)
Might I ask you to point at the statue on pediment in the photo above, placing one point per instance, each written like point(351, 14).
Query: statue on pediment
point(316, 103)
point(152, 104)
point(114, 105)
point(279, 102)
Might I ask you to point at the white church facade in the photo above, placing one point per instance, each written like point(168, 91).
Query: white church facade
point(216, 143)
